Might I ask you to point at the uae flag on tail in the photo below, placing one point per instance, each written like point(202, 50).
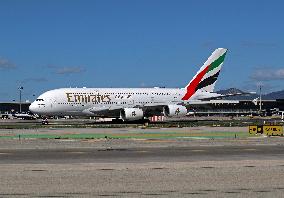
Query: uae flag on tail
point(206, 77)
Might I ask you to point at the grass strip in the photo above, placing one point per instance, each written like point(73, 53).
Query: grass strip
point(136, 135)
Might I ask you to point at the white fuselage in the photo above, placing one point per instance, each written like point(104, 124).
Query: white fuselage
point(105, 101)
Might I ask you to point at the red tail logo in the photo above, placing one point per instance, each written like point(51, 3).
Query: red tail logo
point(192, 86)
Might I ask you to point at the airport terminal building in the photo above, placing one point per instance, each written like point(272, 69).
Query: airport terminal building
point(12, 107)
point(239, 107)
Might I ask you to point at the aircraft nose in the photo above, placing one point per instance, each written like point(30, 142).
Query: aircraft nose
point(32, 108)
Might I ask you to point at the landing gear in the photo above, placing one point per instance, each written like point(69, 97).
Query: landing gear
point(44, 121)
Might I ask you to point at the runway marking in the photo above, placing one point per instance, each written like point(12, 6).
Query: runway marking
point(142, 151)
point(262, 191)
point(207, 167)
point(67, 140)
point(153, 194)
point(37, 170)
point(159, 168)
point(209, 190)
point(195, 193)
point(249, 149)
point(232, 192)
point(198, 150)
point(76, 152)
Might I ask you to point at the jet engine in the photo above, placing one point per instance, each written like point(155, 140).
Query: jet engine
point(175, 111)
point(130, 114)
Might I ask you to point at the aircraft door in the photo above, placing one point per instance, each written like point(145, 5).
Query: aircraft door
point(52, 103)
point(131, 102)
point(128, 99)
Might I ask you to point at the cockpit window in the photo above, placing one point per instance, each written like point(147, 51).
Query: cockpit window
point(39, 99)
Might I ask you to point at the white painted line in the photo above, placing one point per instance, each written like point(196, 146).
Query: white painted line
point(198, 150)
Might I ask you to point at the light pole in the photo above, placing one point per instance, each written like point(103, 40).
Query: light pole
point(260, 99)
point(20, 89)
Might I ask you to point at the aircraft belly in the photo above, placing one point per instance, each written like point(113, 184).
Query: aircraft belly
point(107, 113)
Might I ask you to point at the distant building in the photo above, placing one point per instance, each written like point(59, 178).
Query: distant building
point(234, 107)
point(11, 107)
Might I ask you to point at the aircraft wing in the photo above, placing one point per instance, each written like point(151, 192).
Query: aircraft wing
point(115, 111)
point(104, 111)
point(98, 109)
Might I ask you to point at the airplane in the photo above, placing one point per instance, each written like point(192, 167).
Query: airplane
point(131, 104)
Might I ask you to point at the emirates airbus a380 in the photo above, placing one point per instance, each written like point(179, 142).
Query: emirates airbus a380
point(132, 103)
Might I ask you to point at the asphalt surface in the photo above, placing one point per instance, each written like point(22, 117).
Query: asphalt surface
point(213, 171)
point(234, 167)
point(141, 155)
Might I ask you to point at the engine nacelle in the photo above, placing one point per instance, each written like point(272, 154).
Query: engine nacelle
point(131, 114)
point(175, 111)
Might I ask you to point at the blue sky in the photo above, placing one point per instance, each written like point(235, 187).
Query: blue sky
point(50, 44)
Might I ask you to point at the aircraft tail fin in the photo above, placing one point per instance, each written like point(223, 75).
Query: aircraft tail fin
point(206, 77)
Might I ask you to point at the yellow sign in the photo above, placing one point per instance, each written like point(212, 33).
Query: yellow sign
point(269, 130)
point(273, 130)
point(253, 129)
